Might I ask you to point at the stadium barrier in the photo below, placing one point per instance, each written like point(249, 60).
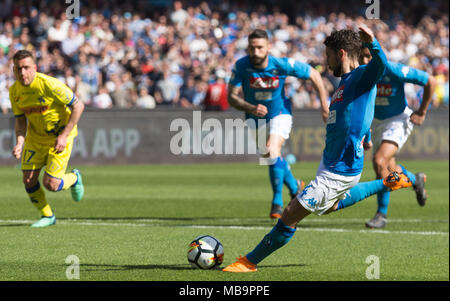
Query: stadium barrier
point(179, 136)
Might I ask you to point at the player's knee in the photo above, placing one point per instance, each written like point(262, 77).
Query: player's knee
point(379, 161)
point(29, 181)
point(51, 184)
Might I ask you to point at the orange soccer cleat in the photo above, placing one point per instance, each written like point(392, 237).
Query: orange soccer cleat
point(242, 265)
point(396, 180)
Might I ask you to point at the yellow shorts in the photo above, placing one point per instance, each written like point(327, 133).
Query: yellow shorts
point(35, 155)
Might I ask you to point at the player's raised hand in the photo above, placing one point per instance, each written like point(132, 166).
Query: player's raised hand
point(260, 110)
point(366, 34)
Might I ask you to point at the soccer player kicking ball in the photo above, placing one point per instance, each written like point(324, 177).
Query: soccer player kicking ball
point(262, 78)
point(351, 113)
point(52, 112)
point(392, 125)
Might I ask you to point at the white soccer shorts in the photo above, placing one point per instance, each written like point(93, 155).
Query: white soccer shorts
point(279, 125)
point(396, 129)
point(325, 190)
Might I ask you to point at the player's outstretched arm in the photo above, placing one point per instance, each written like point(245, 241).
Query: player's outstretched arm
point(77, 109)
point(21, 131)
point(239, 103)
point(418, 117)
point(323, 94)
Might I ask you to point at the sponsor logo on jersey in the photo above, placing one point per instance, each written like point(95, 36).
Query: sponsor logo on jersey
point(35, 110)
point(331, 117)
point(264, 82)
point(384, 90)
point(259, 95)
point(338, 95)
point(382, 101)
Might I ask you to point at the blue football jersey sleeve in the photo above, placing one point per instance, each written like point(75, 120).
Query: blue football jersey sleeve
point(407, 74)
point(295, 68)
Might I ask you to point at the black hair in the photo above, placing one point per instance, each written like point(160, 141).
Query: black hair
point(22, 54)
point(345, 39)
point(258, 34)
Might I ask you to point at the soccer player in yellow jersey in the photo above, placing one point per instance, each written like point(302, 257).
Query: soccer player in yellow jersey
point(46, 113)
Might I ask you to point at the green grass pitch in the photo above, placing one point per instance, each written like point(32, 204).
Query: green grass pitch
point(136, 222)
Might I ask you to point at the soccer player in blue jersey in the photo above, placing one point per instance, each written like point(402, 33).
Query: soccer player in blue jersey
point(392, 125)
point(262, 77)
point(351, 113)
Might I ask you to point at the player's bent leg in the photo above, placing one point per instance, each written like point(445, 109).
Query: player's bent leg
point(52, 183)
point(361, 191)
point(358, 193)
point(58, 179)
point(70, 180)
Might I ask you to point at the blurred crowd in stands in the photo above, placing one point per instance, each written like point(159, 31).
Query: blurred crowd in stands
point(145, 54)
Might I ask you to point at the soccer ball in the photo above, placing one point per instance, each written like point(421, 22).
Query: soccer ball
point(205, 252)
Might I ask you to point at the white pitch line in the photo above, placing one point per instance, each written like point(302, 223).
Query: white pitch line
point(257, 219)
point(232, 227)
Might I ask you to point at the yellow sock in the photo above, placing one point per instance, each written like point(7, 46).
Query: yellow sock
point(68, 180)
point(37, 197)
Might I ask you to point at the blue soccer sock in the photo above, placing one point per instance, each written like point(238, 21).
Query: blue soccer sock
point(410, 175)
point(276, 175)
point(383, 201)
point(275, 239)
point(289, 180)
point(360, 192)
